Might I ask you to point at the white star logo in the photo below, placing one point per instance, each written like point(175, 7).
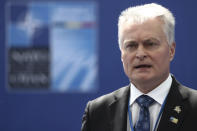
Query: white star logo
point(29, 24)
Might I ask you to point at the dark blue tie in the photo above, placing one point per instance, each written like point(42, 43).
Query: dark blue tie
point(143, 123)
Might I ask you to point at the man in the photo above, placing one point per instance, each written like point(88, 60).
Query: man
point(154, 100)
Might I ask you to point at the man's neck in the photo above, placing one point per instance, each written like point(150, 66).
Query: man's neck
point(146, 87)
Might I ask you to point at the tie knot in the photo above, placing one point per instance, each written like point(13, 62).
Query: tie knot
point(144, 101)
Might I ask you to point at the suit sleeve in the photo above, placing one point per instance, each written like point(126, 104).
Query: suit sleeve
point(85, 119)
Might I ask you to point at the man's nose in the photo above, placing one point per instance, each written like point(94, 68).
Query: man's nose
point(141, 53)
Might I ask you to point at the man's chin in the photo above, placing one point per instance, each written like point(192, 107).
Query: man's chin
point(142, 78)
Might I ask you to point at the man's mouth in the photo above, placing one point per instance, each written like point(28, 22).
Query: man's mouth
point(143, 66)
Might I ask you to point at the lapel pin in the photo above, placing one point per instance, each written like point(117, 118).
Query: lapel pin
point(174, 120)
point(177, 109)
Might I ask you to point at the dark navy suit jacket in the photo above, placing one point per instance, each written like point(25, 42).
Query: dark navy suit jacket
point(109, 112)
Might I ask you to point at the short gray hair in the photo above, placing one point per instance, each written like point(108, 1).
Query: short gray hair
point(142, 13)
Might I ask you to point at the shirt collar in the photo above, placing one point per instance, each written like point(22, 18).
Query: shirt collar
point(158, 94)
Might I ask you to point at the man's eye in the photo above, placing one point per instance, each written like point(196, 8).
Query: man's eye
point(131, 46)
point(150, 44)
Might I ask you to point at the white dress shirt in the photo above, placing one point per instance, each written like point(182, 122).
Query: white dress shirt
point(158, 94)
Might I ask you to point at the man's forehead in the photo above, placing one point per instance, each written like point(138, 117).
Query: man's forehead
point(135, 25)
point(147, 29)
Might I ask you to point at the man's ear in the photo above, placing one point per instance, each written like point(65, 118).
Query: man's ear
point(121, 57)
point(172, 50)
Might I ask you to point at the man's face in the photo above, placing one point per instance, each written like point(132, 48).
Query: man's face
point(145, 53)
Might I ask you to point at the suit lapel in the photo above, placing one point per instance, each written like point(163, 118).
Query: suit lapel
point(175, 109)
point(118, 110)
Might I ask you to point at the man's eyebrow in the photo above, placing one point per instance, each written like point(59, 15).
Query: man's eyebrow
point(151, 39)
point(129, 41)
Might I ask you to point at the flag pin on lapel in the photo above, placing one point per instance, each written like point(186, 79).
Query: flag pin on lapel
point(174, 120)
point(177, 109)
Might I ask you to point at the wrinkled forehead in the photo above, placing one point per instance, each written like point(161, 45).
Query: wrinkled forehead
point(154, 25)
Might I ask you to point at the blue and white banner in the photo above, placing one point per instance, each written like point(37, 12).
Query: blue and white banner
point(52, 46)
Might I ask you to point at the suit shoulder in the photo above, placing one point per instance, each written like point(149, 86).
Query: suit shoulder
point(109, 98)
point(185, 91)
point(190, 93)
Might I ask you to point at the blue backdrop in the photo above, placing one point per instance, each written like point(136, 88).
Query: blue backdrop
point(63, 111)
